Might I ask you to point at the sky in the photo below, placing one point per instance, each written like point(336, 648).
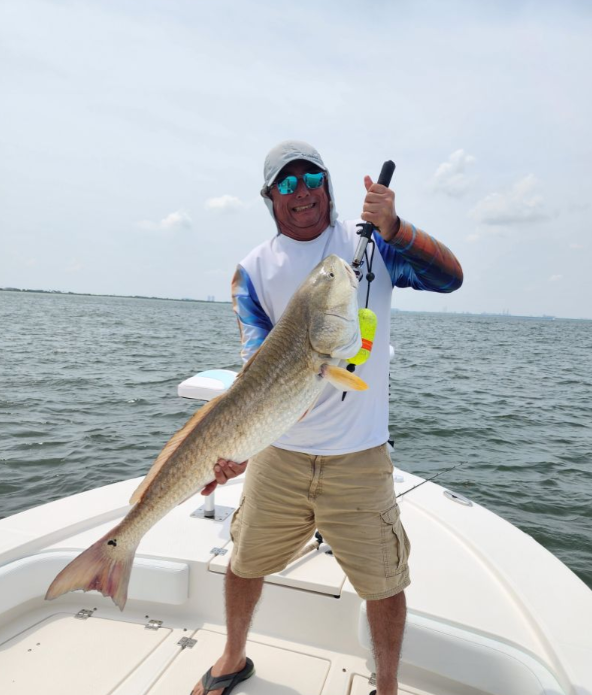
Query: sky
point(133, 134)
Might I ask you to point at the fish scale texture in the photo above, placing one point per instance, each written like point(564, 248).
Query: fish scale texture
point(273, 391)
point(270, 395)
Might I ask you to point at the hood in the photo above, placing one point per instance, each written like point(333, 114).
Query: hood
point(285, 152)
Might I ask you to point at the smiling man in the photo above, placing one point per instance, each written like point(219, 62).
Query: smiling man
point(300, 201)
point(332, 470)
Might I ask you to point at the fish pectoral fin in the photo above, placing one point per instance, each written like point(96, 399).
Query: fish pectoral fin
point(171, 446)
point(342, 379)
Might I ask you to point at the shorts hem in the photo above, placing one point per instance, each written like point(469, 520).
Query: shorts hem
point(387, 594)
point(255, 575)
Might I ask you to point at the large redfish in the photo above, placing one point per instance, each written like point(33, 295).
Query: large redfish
point(278, 385)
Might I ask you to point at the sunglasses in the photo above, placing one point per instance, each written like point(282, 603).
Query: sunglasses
point(290, 183)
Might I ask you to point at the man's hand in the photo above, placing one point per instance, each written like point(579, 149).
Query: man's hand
point(379, 208)
point(224, 470)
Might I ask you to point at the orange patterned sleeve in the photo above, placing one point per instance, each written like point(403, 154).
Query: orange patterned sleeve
point(427, 263)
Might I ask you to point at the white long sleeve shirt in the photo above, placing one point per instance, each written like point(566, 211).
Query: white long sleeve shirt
point(262, 287)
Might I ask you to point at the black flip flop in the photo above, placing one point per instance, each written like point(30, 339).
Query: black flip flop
point(228, 681)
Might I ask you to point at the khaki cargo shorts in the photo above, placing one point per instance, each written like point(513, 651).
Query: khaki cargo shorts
point(349, 498)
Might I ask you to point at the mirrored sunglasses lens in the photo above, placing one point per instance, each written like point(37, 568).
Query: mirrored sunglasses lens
point(314, 180)
point(288, 185)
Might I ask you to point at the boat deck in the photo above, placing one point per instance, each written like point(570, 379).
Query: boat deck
point(479, 623)
point(62, 653)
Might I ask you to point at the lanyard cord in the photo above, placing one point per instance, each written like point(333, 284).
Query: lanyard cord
point(369, 275)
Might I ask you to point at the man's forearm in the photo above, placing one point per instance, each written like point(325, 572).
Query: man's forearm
point(433, 262)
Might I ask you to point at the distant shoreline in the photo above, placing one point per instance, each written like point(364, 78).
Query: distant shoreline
point(504, 315)
point(119, 296)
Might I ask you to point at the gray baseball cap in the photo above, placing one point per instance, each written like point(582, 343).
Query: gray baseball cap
point(284, 153)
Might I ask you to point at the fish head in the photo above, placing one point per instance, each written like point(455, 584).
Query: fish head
point(331, 293)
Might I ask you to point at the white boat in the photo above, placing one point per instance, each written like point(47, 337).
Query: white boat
point(490, 611)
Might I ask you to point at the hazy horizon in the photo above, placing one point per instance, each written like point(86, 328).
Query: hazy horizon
point(214, 300)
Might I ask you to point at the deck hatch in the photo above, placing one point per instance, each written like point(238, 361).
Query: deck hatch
point(63, 655)
point(277, 670)
point(316, 571)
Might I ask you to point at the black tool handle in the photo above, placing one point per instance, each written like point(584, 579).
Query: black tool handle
point(386, 173)
point(366, 229)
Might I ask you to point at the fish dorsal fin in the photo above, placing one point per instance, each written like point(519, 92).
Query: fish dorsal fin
point(171, 446)
point(342, 379)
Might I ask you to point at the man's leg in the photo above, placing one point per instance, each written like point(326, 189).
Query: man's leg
point(272, 522)
point(357, 513)
point(387, 623)
point(242, 596)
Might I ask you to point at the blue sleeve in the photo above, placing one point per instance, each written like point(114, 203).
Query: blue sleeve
point(253, 322)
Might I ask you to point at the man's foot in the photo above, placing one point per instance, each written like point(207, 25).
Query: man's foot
point(223, 666)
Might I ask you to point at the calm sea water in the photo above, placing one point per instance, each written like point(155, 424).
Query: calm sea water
point(88, 397)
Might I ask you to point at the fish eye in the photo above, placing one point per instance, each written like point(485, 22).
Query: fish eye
point(331, 275)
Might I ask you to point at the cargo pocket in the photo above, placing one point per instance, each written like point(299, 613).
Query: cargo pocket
point(395, 543)
point(237, 522)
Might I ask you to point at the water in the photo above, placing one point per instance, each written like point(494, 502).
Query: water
point(88, 397)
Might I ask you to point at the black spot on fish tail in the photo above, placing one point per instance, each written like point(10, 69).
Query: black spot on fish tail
point(113, 542)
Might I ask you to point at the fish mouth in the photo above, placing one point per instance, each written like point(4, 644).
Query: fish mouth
point(352, 276)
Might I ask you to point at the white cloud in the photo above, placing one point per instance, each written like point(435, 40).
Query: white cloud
point(576, 246)
point(521, 203)
point(473, 237)
point(173, 221)
point(176, 220)
point(450, 177)
point(225, 203)
point(554, 278)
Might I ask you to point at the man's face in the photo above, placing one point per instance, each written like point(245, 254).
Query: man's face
point(304, 214)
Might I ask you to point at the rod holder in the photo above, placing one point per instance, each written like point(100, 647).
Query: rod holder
point(210, 506)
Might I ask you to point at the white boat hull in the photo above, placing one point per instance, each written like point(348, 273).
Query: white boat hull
point(490, 611)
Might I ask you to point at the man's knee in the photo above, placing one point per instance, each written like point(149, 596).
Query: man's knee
point(391, 608)
point(234, 578)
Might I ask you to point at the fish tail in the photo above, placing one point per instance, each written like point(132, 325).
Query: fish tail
point(105, 566)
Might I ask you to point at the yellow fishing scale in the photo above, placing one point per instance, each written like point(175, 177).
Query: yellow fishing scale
point(368, 322)
point(367, 318)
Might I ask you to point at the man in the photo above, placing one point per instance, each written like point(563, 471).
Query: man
point(335, 463)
